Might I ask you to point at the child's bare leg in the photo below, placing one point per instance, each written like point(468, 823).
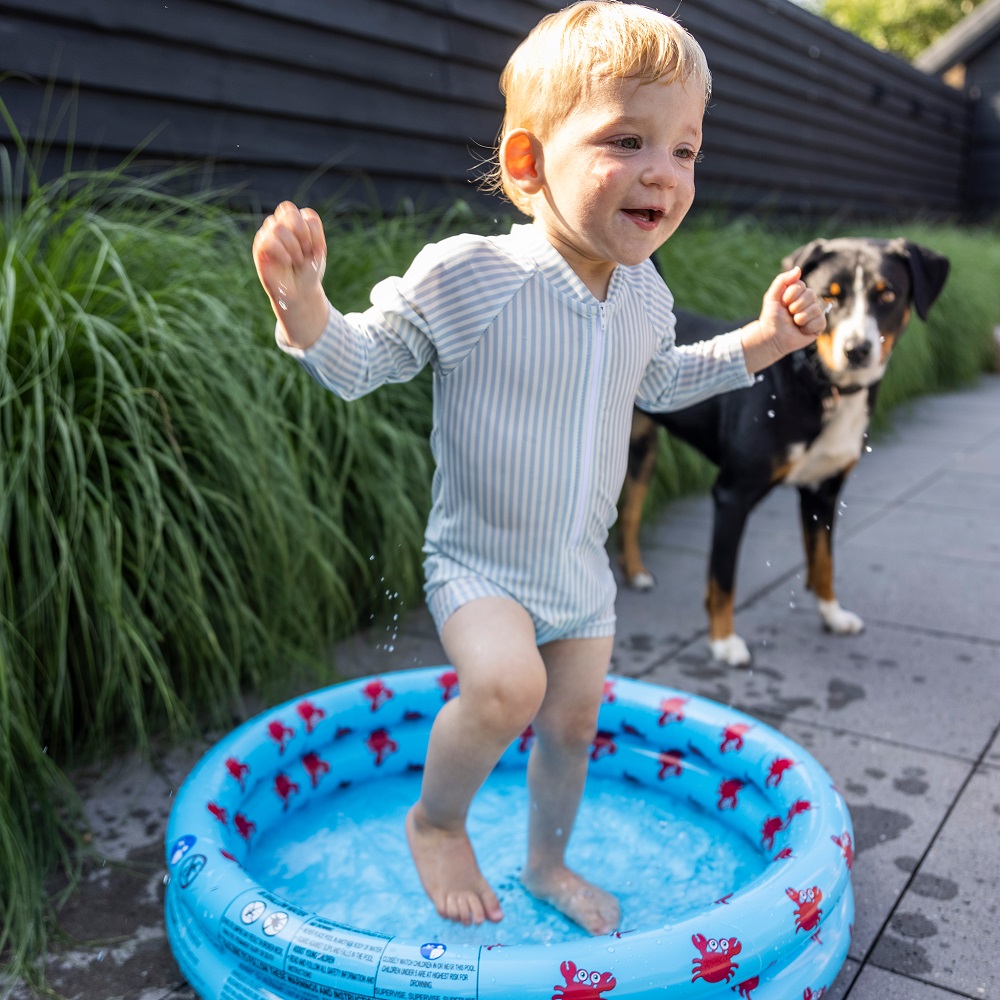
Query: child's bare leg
point(557, 770)
point(491, 644)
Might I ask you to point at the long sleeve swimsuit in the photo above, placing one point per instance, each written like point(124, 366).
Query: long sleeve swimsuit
point(533, 388)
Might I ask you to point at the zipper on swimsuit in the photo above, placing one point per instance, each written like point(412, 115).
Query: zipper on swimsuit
point(589, 427)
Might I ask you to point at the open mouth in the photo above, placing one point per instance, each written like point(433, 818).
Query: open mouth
point(649, 216)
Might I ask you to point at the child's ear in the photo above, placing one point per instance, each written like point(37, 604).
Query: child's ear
point(521, 156)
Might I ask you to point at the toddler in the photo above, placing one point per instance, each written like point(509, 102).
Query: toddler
point(540, 341)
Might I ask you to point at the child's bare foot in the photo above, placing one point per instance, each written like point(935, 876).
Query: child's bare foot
point(449, 873)
point(595, 910)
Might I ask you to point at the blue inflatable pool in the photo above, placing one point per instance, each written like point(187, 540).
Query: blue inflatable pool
point(783, 935)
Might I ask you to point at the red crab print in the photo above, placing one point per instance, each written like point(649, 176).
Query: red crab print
point(732, 736)
point(448, 682)
point(672, 710)
point(583, 985)
point(609, 693)
point(377, 694)
point(797, 808)
point(773, 825)
point(671, 763)
point(315, 767)
point(778, 767)
point(219, 813)
point(808, 910)
point(729, 789)
point(381, 744)
point(807, 994)
point(715, 964)
point(783, 855)
point(846, 845)
point(237, 769)
point(312, 715)
point(746, 988)
point(280, 733)
point(284, 788)
point(245, 827)
point(604, 745)
point(524, 743)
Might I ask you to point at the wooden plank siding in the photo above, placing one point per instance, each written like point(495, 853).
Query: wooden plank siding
point(983, 81)
point(374, 101)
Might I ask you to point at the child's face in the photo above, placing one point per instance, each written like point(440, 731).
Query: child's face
point(618, 175)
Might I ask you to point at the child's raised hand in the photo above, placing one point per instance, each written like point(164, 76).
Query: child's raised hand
point(791, 316)
point(289, 252)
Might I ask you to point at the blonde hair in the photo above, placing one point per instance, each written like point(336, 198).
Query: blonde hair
point(573, 50)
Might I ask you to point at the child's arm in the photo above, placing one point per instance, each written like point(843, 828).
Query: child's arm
point(791, 316)
point(289, 252)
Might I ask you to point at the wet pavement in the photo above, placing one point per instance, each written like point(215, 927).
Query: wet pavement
point(905, 716)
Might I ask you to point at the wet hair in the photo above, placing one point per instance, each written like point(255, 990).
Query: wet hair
point(573, 51)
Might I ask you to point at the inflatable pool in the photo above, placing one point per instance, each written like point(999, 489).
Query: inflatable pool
point(781, 934)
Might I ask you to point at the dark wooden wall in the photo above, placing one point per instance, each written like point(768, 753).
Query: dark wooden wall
point(374, 101)
point(983, 81)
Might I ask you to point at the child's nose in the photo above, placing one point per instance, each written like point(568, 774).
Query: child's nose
point(662, 170)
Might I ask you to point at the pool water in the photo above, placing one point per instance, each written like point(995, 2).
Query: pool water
point(345, 857)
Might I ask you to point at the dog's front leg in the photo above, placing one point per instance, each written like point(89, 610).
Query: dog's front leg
point(731, 511)
point(818, 508)
point(641, 460)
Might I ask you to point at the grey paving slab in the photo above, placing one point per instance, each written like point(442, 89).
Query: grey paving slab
point(984, 459)
point(874, 983)
point(951, 596)
point(950, 531)
point(944, 930)
point(895, 467)
point(942, 691)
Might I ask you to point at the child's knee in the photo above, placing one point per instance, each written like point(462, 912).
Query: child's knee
point(507, 698)
point(570, 731)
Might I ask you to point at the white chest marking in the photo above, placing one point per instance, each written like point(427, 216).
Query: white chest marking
point(838, 445)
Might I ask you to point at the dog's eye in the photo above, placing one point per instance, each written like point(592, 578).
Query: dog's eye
point(834, 291)
point(887, 296)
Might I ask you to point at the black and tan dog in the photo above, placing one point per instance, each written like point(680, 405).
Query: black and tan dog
point(803, 423)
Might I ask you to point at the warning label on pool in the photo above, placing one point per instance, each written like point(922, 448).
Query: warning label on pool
point(315, 956)
point(431, 971)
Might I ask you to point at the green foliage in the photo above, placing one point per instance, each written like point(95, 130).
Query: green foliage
point(184, 516)
point(903, 27)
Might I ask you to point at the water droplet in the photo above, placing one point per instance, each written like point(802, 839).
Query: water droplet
point(371, 558)
point(281, 305)
point(770, 413)
point(166, 879)
point(868, 448)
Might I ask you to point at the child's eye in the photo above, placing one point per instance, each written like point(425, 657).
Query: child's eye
point(630, 142)
point(692, 155)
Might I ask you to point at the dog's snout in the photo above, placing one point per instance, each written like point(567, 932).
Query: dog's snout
point(859, 353)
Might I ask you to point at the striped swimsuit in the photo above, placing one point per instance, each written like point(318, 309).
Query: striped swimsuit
point(534, 382)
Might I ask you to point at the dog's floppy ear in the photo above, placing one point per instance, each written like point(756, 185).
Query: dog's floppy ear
point(928, 271)
point(806, 257)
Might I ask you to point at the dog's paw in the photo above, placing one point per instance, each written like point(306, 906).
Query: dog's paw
point(839, 620)
point(642, 581)
point(732, 650)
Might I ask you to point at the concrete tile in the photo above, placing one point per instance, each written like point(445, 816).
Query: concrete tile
point(961, 490)
point(895, 466)
point(944, 929)
point(983, 459)
point(873, 983)
point(841, 986)
point(917, 590)
point(806, 675)
point(951, 532)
